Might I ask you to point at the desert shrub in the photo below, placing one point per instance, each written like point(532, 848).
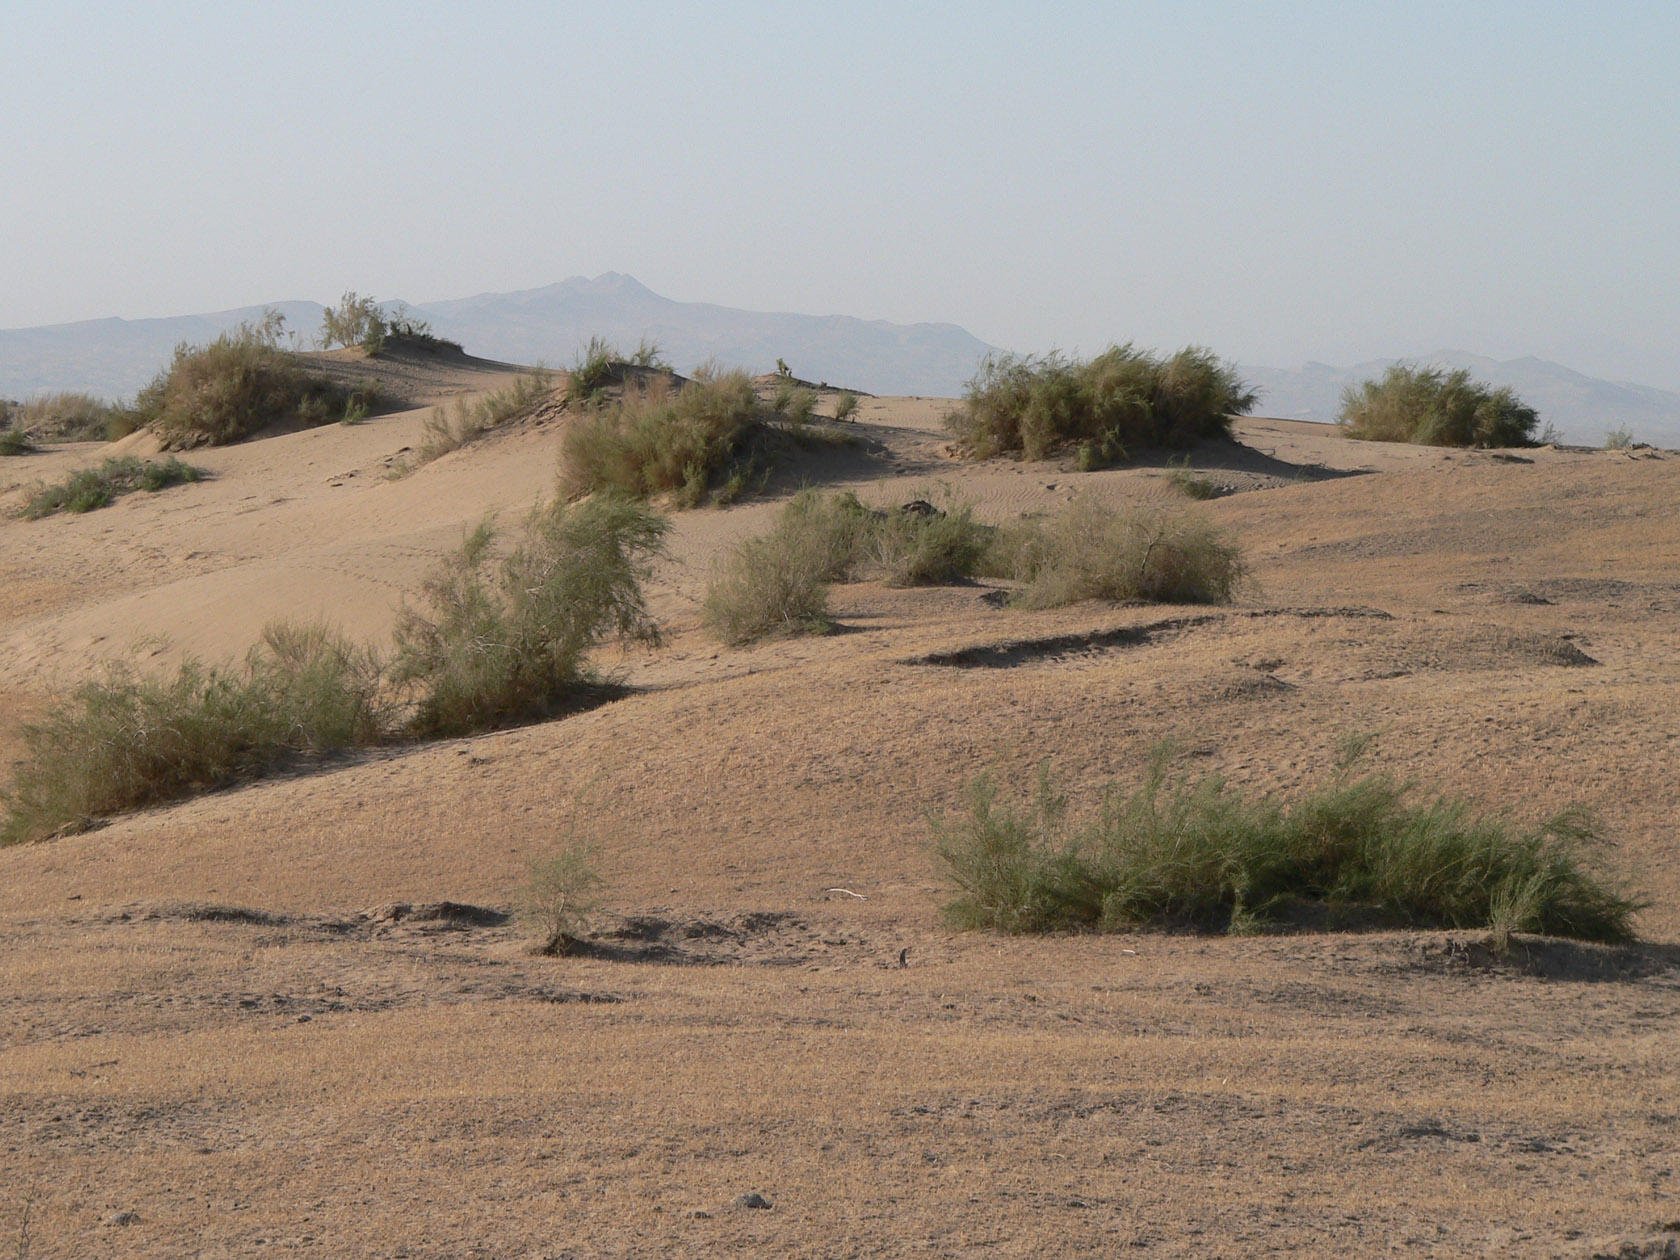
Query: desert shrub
point(594, 369)
point(794, 403)
point(14, 442)
point(778, 584)
point(562, 891)
point(1619, 439)
point(1122, 398)
point(62, 417)
point(355, 321)
point(1095, 551)
point(235, 385)
point(446, 430)
point(846, 405)
point(654, 441)
point(924, 545)
point(1433, 407)
point(127, 740)
point(92, 488)
point(1201, 855)
point(499, 643)
point(649, 354)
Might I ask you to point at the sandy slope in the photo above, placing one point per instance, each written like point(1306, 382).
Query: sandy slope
point(307, 1068)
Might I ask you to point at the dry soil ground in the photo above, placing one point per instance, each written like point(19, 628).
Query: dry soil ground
point(295, 1018)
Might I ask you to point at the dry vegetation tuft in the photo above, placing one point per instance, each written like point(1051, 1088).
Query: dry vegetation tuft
point(1433, 407)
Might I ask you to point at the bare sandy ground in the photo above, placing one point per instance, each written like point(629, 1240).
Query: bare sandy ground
point(296, 1017)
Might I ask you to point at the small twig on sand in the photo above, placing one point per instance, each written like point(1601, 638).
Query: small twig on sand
point(848, 893)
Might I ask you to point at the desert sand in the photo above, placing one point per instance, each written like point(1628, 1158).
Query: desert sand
point(296, 1017)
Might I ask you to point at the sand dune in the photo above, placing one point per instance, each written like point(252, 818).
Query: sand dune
point(218, 1019)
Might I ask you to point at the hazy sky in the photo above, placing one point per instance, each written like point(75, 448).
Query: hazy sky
point(1281, 182)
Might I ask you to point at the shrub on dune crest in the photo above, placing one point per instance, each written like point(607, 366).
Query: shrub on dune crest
point(1200, 855)
point(1123, 398)
point(232, 387)
point(655, 441)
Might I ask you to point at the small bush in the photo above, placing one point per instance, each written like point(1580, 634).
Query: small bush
point(449, 430)
point(845, 406)
point(355, 321)
point(494, 644)
point(794, 403)
point(1432, 407)
point(93, 488)
point(1618, 439)
point(1094, 551)
point(237, 384)
point(561, 893)
point(13, 442)
point(778, 584)
point(924, 545)
point(1172, 853)
point(594, 369)
point(1124, 398)
point(648, 354)
point(128, 741)
point(62, 417)
point(653, 441)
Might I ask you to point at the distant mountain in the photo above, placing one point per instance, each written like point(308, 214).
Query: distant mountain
point(551, 323)
point(115, 357)
point(1583, 408)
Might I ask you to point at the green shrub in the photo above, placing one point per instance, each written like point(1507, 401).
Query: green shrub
point(561, 892)
point(1618, 439)
point(778, 584)
point(355, 321)
point(653, 441)
point(62, 417)
point(1200, 855)
point(13, 442)
point(794, 403)
point(128, 741)
point(846, 405)
point(1094, 551)
point(93, 488)
point(1123, 398)
point(596, 367)
point(1433, 407)
point(924, 545)
point(648, 354)
point(237, 384)
point(495, 644)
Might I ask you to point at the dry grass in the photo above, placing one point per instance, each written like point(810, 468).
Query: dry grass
point(447, 430)
point(63, 417)
point(1092, 550)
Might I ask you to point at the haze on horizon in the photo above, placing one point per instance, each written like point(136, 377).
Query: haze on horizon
point(1282, 182)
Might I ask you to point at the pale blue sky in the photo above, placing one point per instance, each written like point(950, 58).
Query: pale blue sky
point(1281, 182)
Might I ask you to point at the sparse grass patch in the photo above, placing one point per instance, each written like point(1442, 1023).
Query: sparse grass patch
point(494, 644)
point(1095, 551)
point(93, 488)
point(1187, 483)
point(127, 741)
point(450, 429)
point(1433, 407)
point(654, 441)
point(230, 388)
point(1123, 398)
point(63, 417)
point(1172, 853)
